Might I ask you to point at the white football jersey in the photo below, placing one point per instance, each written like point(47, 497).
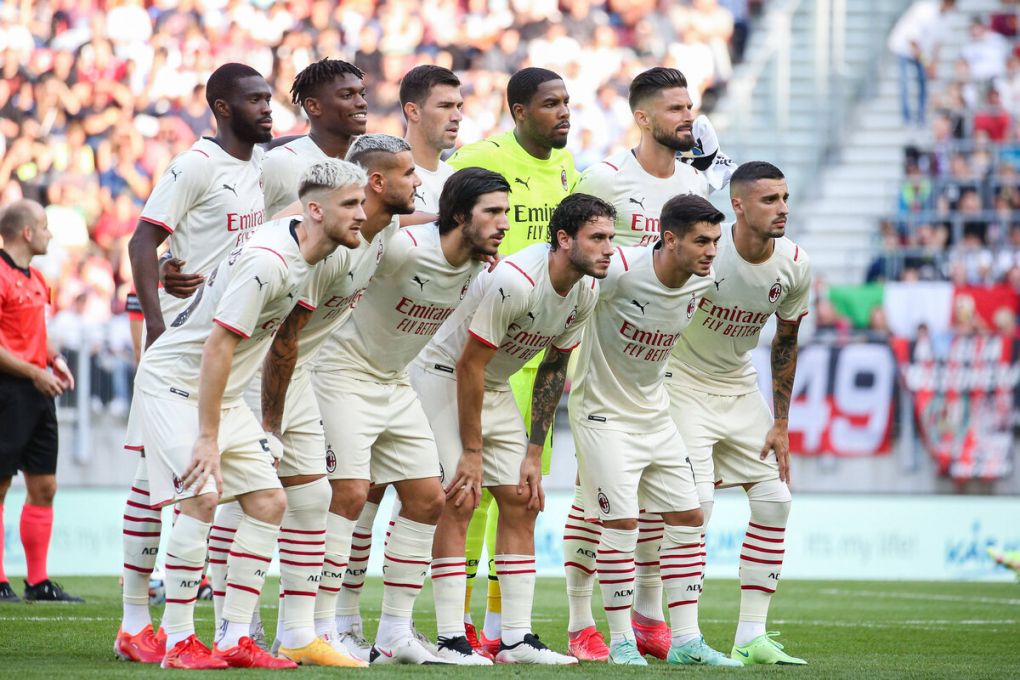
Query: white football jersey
point(336, 298)
point(281, 171)
point(413, 292)
point(618, 384)
point(211, 203)
point(426, 197)
point(250, 293)
point(637, 196)
point(714, 352)
point(515, 310)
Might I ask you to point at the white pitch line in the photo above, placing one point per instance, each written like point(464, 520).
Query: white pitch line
point(930, 623)
point(922, 596)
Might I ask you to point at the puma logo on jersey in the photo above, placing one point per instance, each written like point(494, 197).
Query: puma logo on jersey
point(351, 274)
point(419, 196)
point(718, 282)
point(290, 295)
point(639, 306)
point(532, 317)
point(523, 182)
point(175, 172)
point(503, 295)
point(641, 202)
point(259, 281)
point(421, 284)
point(230, 189)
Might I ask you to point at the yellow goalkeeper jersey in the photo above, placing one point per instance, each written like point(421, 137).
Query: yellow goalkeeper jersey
point(537, 186)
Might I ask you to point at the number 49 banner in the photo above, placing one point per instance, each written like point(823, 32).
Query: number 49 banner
point(843, 398)
point(963, 390)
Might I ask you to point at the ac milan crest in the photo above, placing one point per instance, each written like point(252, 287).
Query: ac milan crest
point(379, 252)
point(775, 291)
point(330, 460)
point(603, 503)
point(691, 306)
point(464, 290)
point(563, 179)
point(178, 485)
point(572, 318)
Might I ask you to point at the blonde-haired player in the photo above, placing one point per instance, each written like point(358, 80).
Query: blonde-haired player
point(204, 443)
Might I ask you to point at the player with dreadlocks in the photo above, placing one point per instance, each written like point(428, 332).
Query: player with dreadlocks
point(332, 94)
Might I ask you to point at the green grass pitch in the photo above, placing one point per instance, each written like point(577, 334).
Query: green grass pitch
point(867, 630)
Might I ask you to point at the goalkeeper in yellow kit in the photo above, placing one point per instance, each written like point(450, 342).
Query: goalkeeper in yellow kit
point(541, 173)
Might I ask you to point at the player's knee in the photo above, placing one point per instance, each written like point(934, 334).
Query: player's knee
point(40, 489)
point(770, 502)
point(687, 518)
point(5, 484)
point(202, 508)
point(349, 497)
point(460, 515)
point(620, 524)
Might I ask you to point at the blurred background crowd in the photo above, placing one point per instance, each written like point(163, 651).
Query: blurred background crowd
point(97, 96)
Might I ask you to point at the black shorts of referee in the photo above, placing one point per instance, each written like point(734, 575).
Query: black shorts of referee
point(28, 428)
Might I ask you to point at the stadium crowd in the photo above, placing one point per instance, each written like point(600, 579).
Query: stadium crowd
point(96, 97)
point(956, 217)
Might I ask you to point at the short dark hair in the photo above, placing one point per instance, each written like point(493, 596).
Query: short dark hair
point(651, 81)
point(575, 211)
point(752, 171)
point(223, 81)
point(523, 85)
point(461, 191)
point(682, 212)
point(323, 71)
point(417, 83)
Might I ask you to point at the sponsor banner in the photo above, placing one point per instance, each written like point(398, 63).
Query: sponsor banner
point(964, 396)
point(829, 537)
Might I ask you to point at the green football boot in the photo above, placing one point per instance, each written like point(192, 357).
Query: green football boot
point(625, 653)
point(698, 653)
point(764, 650)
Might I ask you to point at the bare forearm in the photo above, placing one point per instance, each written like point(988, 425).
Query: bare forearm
point(784, 369)
point(12, 365)
point(145, 272)
point(278, 369)
point(470, 393)
point(546, 393)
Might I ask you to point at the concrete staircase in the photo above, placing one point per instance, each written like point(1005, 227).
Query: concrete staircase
point(842, 149)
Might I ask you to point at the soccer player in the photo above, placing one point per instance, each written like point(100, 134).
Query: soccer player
point(540, 297)
point(433, 108)
point(638, 183)
point(389, 194)
point(629, 453)
point(28, 410)
point(731, 437)
point(208, 202)
point(332, 94)
point(191, 384)
point(377, 420)
point(533, 159)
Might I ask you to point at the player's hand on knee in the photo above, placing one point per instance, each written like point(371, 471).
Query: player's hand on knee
point(466, 486)
point(205, 463)
point(531, 478)
point(778, 440)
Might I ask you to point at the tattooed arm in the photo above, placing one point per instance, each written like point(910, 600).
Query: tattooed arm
point(278, 368)
point(784, 368)
point(545, 396)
